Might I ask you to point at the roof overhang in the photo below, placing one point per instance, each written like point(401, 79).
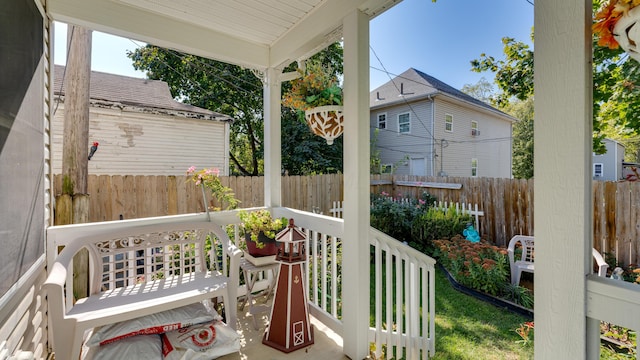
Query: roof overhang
point(232, 31)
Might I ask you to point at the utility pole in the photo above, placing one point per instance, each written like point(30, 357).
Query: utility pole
point(76, 113)
point(72, 207)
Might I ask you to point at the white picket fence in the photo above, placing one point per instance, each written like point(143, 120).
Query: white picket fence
point(463, 208)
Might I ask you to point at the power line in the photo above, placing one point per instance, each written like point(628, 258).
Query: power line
point(403, 98)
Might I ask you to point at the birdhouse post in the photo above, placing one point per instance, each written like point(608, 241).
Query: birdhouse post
point(289, 327)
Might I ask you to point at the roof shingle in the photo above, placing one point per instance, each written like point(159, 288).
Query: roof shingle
point(133, 91)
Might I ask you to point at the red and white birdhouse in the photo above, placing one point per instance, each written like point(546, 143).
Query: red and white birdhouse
point(289, 328)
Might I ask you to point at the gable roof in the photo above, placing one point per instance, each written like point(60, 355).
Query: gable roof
point(414, 85)
point(136, 92)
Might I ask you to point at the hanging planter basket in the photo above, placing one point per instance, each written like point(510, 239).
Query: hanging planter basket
point(627, 32)
point(326, 121)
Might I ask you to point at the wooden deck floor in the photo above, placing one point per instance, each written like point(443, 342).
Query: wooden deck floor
point(327, 344)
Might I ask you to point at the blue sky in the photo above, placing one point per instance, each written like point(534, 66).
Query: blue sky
point(439, 39)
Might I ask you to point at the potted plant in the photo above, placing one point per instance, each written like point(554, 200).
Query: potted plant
point(260, 230)
point(317, 98)
point(209, 179)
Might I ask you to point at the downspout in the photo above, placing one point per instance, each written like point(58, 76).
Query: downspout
point(433, 126)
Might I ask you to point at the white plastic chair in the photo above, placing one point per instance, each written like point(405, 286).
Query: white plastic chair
point(525, 262)
point(602, 265)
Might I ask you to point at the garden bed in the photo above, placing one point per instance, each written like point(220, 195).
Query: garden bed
point(496, 301)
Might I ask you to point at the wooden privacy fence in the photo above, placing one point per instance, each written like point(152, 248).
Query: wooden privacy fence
point(507, 204)
point(131, 196)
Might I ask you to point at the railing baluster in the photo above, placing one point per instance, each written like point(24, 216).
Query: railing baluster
point(334, 276)
point(398, 301)
point(314, 244)
point(325, 293)
point(378, 296)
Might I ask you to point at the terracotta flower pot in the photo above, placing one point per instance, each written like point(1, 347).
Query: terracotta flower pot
point(326, 121)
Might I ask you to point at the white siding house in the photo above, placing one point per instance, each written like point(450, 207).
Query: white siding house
point(142, 130)
point(426, 127)
point(608, 166)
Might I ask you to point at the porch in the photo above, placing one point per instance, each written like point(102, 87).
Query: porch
point(401, 283)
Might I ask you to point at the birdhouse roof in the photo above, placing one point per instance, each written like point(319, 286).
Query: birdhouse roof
point(290, 234)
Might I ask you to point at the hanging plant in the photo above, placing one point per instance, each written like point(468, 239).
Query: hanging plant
point(616, 25)
point(316, 96)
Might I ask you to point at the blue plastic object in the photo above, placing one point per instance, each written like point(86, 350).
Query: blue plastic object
point(471, 234)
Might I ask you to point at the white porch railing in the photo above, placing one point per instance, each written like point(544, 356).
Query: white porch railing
point(403, 305)
point(404, 310)
point(613, 301)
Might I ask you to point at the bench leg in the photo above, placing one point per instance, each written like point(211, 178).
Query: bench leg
point(230, 308)
point(67, 345)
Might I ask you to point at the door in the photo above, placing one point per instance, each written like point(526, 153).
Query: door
point(418, 166)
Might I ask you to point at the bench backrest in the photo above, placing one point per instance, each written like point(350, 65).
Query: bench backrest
point(121, 257)
point(148, 256)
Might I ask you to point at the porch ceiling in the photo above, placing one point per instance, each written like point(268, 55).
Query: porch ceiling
point(251, 33)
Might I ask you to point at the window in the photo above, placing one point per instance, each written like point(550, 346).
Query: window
point(404, 123)
point(598, 170)
point(386, 168)
point(474, 167)
point(382, 121)
point(448, 122)
point(474, 128)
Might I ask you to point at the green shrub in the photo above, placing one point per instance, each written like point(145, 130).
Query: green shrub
point(394, 218)
point(517, 294)
point(436, 224)
point(480, 266)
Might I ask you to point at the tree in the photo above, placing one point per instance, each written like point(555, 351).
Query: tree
point(616, 93)
point(482, 90)
point(522, 138)
point(238, 92)
point(514, 75)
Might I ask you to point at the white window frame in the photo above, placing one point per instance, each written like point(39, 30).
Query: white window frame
point(408, 123)
point(595, 172)
point(474, 167)
point(386, 168)
point(448, 122)
point(474, 128)
point(382, 124)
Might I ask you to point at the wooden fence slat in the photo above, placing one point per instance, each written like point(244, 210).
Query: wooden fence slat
point(635, 220)
point(610, 218)
point(172, 195)
point(117, 196)
point(128, 197)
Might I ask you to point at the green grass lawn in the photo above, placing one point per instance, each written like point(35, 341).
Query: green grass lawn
point(468, 328)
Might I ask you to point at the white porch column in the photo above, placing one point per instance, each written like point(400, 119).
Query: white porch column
point(563, 205)
point(272, 138)
point(355, 282)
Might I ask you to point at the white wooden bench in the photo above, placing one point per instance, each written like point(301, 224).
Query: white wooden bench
point(525, 261)
point(137, 271)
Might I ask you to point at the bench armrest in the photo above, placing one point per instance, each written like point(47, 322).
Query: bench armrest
point(235, 254)
point(54, 288)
